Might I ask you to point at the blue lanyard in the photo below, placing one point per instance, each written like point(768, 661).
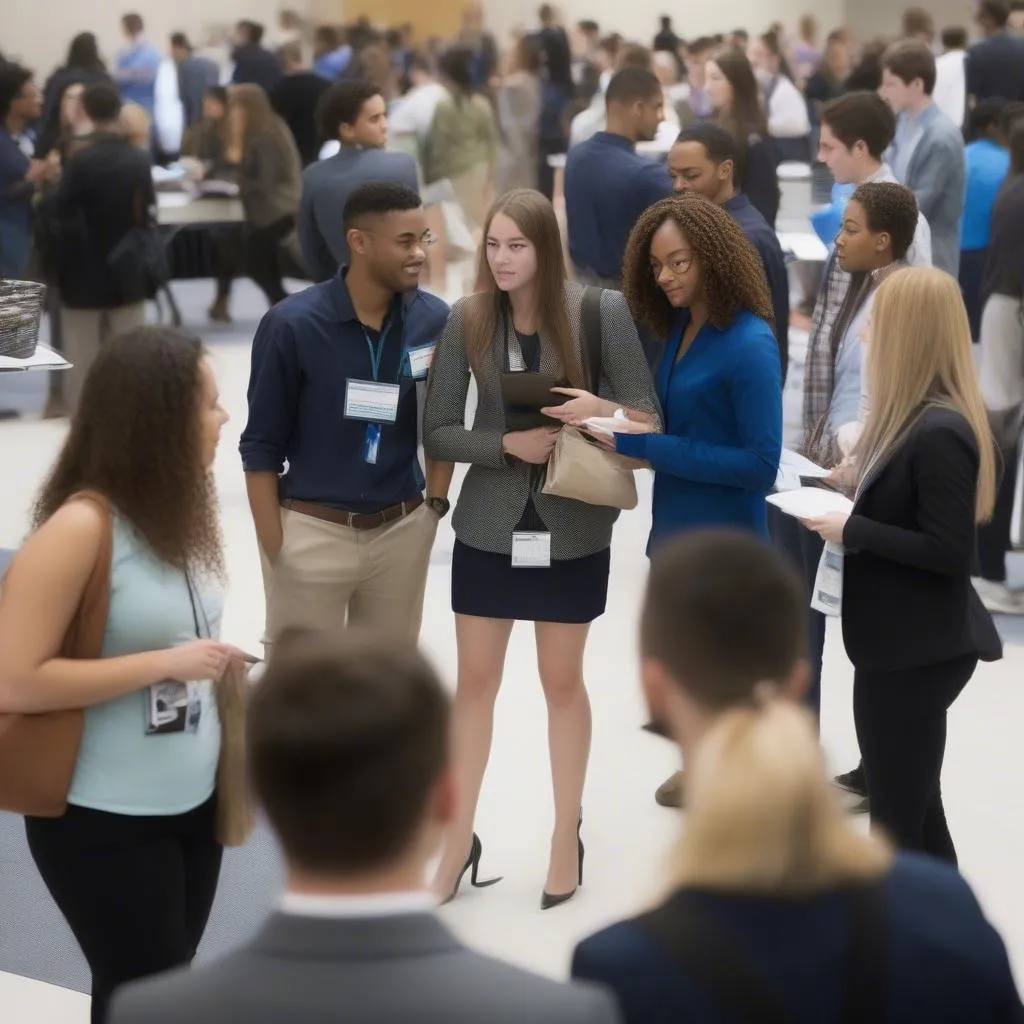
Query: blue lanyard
point(376, 354)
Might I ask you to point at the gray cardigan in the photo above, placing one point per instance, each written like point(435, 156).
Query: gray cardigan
point(494, 494)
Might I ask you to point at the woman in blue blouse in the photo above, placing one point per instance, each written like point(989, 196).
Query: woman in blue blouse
point(692, 277)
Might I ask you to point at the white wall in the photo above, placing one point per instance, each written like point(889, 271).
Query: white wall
point(638, 19)
point(37, 32)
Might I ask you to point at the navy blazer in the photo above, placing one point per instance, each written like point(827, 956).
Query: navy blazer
point(946, 963)
point(907, 594)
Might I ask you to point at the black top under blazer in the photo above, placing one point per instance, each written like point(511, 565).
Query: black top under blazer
point(910, 543)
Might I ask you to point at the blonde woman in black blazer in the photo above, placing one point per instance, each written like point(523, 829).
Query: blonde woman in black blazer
point(924, 477)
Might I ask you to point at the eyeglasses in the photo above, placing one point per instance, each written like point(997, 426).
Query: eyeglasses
point(677, 267)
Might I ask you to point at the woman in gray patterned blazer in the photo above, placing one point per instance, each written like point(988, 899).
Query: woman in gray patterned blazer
point(519, 553)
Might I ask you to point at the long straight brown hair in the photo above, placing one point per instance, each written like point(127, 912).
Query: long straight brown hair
point(535, 217)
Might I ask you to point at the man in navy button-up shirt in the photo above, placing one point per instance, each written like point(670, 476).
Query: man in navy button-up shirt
point(704, 160)
point(608, 184)
point(335, 487)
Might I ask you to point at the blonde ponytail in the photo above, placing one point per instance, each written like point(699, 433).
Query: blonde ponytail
point(761, 816)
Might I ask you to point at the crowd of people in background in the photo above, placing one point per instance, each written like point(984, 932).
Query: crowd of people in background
point(621, 200)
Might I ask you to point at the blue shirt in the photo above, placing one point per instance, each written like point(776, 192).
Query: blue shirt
point(722, 408)
point(135, 74)
point(987, 167)
point(945, 964)
point(763, 238)
point(305, 351)
point(121, 769)
point(607, 186)
point(331, 65)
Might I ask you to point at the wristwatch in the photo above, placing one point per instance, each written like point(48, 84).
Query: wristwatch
point(440, 505)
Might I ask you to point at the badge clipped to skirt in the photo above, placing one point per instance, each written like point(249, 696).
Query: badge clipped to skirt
point(173, 707)
point(531, 549)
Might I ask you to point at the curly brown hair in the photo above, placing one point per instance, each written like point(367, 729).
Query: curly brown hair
point(733, 277)
point(136, 437)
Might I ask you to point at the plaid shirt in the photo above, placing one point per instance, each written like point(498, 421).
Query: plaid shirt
point(819, 368)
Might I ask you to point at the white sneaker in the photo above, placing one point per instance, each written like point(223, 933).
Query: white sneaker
point(998, 598)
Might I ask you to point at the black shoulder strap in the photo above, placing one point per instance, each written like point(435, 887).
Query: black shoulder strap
point(714, 957)
point(715, 960)
point(592, 341)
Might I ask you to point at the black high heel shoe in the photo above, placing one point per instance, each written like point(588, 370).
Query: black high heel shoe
point(476, 851)
point(549, 900)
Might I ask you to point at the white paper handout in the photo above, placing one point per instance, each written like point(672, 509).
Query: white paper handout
point(807, 502)
point(801, 465)
point(606, 424)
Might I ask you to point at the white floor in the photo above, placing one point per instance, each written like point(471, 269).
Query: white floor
point(626, 834)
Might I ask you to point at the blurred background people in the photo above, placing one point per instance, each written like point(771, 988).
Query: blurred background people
point(519, 102)
point(294, 98)
point(195, 75)
point(735, 97)
point(83, 64)
point(785, 107)
point(260, 155)
point(254, 64)
point(105, 197)
point(21, 174)
point(462, 144)
point(136, 65)
point(331, 53)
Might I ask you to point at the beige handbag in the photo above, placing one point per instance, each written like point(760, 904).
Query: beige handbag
point(579, 468)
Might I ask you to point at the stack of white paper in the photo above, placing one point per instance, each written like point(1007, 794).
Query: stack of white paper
point(807, 502)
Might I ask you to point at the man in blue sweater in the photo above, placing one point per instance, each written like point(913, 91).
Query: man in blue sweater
point(704, 160)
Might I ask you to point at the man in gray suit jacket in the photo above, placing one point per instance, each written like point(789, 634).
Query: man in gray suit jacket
point(355, 114)
point(348, 754)
point(927, 153)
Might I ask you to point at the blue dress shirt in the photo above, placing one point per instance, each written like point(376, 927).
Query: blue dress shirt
point(722, 408)
point(135, 74)
point(607, 186)
point(305, 351)
point(987, 167)
point(15, 206)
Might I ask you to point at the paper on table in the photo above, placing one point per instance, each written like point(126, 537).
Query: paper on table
point(810, 501)
point(801, 465)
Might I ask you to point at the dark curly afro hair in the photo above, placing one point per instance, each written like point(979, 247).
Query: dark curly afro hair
point(730, 266)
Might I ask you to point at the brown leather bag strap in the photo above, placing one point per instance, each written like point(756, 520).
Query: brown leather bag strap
point(84, 636)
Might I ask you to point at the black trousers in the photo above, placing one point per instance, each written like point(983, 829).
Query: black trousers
point(264, 258)
point(901, 727)
point(803, 550)
point(135, 891)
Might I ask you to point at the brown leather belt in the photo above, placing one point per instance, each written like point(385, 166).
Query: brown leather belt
point(354, 520)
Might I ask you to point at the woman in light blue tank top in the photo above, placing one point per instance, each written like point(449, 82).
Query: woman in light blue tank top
point(133, 863)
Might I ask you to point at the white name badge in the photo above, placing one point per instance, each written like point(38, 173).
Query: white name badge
point(828, 583)
point(370, 401)
point(172, 707)
point(420, 360)
point(531, 550)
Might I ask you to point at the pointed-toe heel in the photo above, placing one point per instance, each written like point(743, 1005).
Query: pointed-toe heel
point(472, 865)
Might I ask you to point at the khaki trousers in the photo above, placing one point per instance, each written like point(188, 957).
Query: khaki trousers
point(83, 332)
point(327, 575)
